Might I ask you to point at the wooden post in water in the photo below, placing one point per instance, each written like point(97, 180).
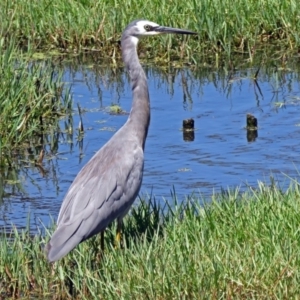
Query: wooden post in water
point(251, 128)
point(188, 130)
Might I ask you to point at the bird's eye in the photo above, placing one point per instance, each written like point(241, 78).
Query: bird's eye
point(147, 27)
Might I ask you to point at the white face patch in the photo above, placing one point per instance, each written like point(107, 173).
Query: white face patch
point(142, 28)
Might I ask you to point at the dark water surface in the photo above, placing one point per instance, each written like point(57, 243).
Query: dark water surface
point(220, 155)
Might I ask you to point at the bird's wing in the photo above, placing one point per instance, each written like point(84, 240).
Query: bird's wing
point(102, 191)
point(104, 180)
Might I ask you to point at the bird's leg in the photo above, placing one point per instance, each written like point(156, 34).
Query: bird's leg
point(101, 252)
point(118, 243)
point(102, 241)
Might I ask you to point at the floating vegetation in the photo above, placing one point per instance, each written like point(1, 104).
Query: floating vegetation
point(115, 109)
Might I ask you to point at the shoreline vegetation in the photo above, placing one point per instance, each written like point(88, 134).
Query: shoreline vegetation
point(241, 245)
point(86, 25)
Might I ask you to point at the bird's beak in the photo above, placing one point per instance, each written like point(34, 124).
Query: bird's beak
point(163, 29)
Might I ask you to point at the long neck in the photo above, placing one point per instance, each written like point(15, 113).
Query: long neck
point(139, 117)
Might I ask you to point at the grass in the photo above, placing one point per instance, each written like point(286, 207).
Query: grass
point(242, 245)
point(75, 26)
point(33, 96)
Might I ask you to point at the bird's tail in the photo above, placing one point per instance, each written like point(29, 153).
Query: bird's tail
point(61, 244)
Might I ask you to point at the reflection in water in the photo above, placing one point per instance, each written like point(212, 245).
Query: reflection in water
point(188, 130)
point(251, 127)
point(219, 156)
point(189, 135)
point(251, 135)
point(28, 170)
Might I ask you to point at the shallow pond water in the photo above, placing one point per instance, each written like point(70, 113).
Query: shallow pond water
point(220, 154)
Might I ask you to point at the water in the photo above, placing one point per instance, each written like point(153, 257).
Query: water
point(219, 156)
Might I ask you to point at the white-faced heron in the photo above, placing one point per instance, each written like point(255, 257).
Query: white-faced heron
point(108, 184)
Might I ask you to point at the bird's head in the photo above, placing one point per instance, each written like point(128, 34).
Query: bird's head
point(141, 28)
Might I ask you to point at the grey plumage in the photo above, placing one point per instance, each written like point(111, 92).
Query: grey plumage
point(108, 184)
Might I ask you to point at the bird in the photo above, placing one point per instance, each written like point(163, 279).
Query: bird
point(106, 187)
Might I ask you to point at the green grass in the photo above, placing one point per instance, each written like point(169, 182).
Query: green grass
point(240, 246)
point(74, 26)
point(33, 96)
